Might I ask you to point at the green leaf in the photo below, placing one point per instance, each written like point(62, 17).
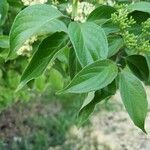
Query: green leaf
point(89, 41)
point(40, 83)
point(93, 77)
point(115, 44)
point(4, 41)
point(15, 3)
point(148, 63)
point(92, 99)
point(139, 17)
point(42, 57)
point(86, 109)
point(72, 63)
point(140, 6)
point(110, 28)
point(55, 80)
point(139, 68)
point(4, 46)
point(74, 66)
point(101, 14)
point(34, 20)
point(134, 98)
point(3, 11)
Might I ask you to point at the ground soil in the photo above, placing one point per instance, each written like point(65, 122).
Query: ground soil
point(109, 128)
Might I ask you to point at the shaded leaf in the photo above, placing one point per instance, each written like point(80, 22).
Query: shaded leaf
point(115, 44)
point(139, 17)
point(134, 98)
point(138, 66)
point(101, 14)
point(74, 66)
point(109, 27)
point(94, 98)
point(148, 63)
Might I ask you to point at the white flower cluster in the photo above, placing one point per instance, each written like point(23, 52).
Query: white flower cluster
point(111, 3)
point(27, 47)
point(107, 2)
point(33, 2)
point(84, 9)
point(55, 2)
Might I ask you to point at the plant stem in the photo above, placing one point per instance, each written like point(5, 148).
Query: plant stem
point(74, 8)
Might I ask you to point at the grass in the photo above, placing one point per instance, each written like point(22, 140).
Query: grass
point(38, 124)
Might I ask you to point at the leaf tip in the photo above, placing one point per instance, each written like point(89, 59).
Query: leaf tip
point(60, 92)
point(20, 86)
point(63, 91)
point(143, 129)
